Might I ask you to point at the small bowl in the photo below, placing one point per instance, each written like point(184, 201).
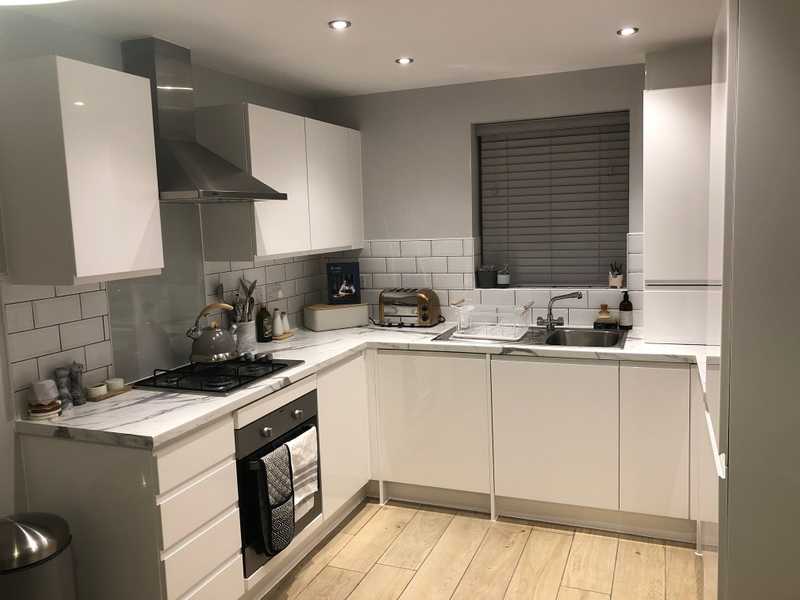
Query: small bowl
point(96, 391)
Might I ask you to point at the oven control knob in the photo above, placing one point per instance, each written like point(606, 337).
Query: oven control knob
point(266, 432)
point(297, 413)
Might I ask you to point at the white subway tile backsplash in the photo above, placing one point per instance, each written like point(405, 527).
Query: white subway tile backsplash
point(557, 312)
point(57, 310)
point(582, 317)
point(212, 282)
point(259, 274)
point(294, 304)
point(370, 296)
point(448, 280)
point(48, 364)
point(33, 343)
point(637, 299)
point(417, 280)
point(467, 296)
point(366, 280)
point(470, 247)
point(401, 265)
point(19, 317)
point(635, 281)
point(230, 280)
point(94, 304)
point(384, 248)
point(469, 280)
point(372, 265)
point(635, 263)
point(461, 264)
point(635, 243)
point(497, 297)
point(293, 271)
point(610, 297)
point(107, 327)
point(81, 333)
point(98, 355)
point(454, 247)
point(432, 264)
point(444, 297)
point(539, 297)
point(24, 373)
point(95, 377)
point(24, 293)
point(68, 290)
point(241, 265)
point(275, 273)
point(311, 267)
point(386, 280)
point(313, 297)
point(415, 248)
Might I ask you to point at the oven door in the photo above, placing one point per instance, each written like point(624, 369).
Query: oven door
point(254, 441)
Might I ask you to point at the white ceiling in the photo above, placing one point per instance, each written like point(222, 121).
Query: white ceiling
point(289, 45)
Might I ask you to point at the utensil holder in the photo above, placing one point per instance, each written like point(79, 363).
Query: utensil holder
point(246, 336)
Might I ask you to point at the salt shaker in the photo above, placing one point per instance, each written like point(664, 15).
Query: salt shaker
point(285, 322)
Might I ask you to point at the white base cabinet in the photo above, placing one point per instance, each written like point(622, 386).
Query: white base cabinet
point(434, 419)
point(654, 439)
point(556, 430)
point(343, 432)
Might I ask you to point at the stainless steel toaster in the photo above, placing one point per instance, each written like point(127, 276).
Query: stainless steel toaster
point(412, 307)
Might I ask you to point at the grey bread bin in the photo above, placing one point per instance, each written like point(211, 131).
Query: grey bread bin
point(36, 558)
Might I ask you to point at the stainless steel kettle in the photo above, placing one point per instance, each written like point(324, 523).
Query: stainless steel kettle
point(212, 344)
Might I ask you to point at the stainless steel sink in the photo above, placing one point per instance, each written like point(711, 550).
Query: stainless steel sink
point(566, 336)
point(593, 338)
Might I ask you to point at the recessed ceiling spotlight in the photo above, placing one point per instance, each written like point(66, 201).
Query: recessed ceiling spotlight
point(404, 60)
point(627, 31)
point(339, 24)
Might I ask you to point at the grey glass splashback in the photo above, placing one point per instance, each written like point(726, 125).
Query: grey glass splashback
point(149, 316)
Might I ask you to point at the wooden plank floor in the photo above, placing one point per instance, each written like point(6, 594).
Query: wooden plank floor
point(413, 552)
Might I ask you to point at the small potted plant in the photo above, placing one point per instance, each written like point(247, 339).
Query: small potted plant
point(503, 277)
point(615, 275)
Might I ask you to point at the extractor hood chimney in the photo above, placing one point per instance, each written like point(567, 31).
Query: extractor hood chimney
point(187, 171)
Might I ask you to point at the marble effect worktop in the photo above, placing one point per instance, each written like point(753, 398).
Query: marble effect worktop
point(149, 419)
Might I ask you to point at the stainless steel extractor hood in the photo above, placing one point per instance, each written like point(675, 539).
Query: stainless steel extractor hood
point(187, 171)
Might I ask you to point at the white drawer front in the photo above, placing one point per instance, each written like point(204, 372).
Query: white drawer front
point(198, 504)
point(227, 584)
point(198, 558)
point(197, 453)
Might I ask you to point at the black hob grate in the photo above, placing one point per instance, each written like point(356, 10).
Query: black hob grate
point(218, 378)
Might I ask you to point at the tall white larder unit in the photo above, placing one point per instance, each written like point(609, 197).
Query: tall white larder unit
point(77, 173)
point(681, 268)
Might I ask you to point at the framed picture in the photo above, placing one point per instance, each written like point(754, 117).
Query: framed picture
point(344, 283)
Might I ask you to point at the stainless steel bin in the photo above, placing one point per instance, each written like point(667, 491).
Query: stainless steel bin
point(36, 558)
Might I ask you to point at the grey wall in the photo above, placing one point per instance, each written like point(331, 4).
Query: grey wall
point(417, 144)
point(680, 66)
point(760, 360)
point(23, 36)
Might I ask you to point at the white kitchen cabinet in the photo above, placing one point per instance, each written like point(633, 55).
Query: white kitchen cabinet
point(654, 439)
point(77, 173)
point(556, 430)
point(434, 421)
point(334, 186)
point(343, 432)
point(704, 475)
point(271, 146)
point(676, 138)
point(317, 165)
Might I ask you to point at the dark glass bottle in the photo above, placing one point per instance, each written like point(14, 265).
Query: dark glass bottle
point(625, 312)
point(263, 325)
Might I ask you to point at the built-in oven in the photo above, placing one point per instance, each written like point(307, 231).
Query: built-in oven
point(254, 441)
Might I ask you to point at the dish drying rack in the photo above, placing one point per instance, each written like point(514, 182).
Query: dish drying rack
point(495, 323)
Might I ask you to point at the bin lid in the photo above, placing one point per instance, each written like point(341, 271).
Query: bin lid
point(29, 538)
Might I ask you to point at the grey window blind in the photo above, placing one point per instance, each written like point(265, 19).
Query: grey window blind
point(554, 197)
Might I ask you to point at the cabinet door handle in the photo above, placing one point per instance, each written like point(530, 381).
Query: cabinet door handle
point(298, 413)
point(266, 432)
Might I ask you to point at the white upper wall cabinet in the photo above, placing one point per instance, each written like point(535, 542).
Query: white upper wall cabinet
point(676, 185)
point(318, 165)
point(334, 186)
point(77, 173)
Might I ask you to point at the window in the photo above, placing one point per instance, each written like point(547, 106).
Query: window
point(554, 197)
